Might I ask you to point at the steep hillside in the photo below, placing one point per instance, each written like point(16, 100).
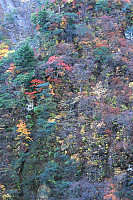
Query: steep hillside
point(66, 100)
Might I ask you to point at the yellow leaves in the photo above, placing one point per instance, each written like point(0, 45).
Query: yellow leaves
point(84, 43)
point(119, 50)
point(117, 171)
point(57, 139)
point(41, 194)
point(9, 52)
point(75, 157)
point(82, 132)
point(42, 97)
point(63, 23)
point(50, 86)
point(3, 49)
point(51, 120)
point(131, 84)
point(92, 163)
point(67, 142)
point(6, 196)
point(2, 187)
point(51, 89)
point(61, 114)
point(69, 1)
point(22, 129)
point(64, 146)
point(65, 152)
point(61, 73)
point(70, 136)
point(52, 92)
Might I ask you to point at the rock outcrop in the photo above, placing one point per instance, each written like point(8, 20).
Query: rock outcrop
point(15, 23)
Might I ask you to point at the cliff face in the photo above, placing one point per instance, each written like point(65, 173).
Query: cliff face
point(15, 23)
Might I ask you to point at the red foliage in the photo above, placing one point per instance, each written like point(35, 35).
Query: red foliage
point(90, 7)
point(31, 94)
point(38, 27)
point(43, 6)
point(120, 1)
point(61, 66)
point(60, 63)
point(74, 3)
point(52, 59)
point(56, 1)
point(101, 45)
point(35, 82)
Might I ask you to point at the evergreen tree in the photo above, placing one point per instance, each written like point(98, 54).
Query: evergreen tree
point(24, 58)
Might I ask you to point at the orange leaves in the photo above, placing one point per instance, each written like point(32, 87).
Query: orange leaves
point(4, 194)
point(124, 59)
point(55, 80)
point(36, 82)
point(110, 192)
point(110, 196)
point(52, 92)
point(31, 94)
point(108, 131)
point(53, 26)
point(101, 45)
point(11, 69)
point(2, 189)
point(24, 132)
point(90, 7)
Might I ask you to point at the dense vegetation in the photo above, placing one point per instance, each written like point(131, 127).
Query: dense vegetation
point(66, 104)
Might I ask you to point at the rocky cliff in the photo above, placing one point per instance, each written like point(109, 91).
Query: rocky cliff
point(15, 23)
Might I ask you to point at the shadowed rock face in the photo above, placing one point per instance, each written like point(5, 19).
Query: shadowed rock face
point(15, 23)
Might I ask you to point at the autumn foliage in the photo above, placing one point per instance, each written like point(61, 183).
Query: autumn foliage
point(66, 104)
point(23, 131)
point(3, 49)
